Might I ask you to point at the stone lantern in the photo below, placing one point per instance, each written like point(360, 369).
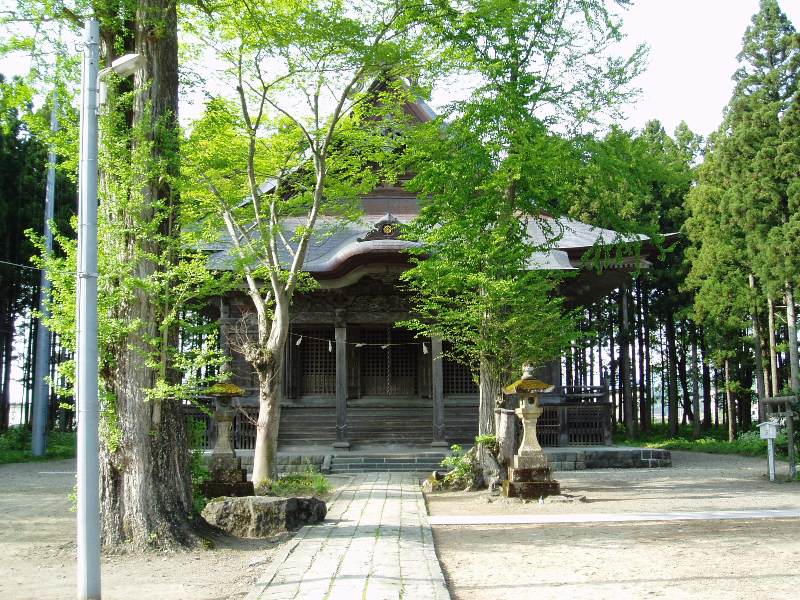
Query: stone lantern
point(530, 475)
point(227, 477)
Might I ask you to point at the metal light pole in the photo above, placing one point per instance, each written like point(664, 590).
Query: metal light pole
point(87, 364)
point(88, 409)
point(41, 389)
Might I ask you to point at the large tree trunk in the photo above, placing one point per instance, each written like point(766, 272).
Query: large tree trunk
point(745, 400)
point(663, 370)
point(672, 375)
point(490, 397)
point(707, 418)
point(267, 358)
point(568, 366)
point(644, 407)
point(648, 371)
point(267, 427)
point(686, 399)
point(612, 368)
point(145, 479)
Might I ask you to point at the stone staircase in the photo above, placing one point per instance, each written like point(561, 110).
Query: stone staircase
point(424, 462)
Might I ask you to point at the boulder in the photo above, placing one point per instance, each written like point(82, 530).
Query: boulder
point(263, 516)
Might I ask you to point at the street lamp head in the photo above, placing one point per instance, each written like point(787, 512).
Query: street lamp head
point(124, 66)
point(127, 65)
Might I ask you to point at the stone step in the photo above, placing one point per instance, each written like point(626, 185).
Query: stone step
point(395, 468)
point(415, 463)
point(387, 459)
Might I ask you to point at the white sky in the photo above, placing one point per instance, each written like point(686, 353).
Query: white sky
point(693, 48)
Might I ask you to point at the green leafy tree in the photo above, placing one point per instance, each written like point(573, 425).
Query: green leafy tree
point(495, 166)
point(151, 276)
point(741, 212)
point(23, 163)
point(638, 182)
point(311, 124)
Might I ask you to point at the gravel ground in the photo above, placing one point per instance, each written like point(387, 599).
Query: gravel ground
point(750, 559)
point(37, 549)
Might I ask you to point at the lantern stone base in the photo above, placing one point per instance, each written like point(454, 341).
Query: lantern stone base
point(216, 489)
point(530, 483)
point(227, 478)
point(534, 460)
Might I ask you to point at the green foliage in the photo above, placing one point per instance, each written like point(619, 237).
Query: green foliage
point(489, 440)
point(460, 466)
point(168, 268)
point(471, 281)
point(747, 444)
point(495, 170)
point(310, 483)
point(15, 446)
point(743, 220)
point(283, 164)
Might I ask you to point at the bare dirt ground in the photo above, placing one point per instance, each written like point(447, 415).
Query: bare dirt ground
point(37, 549)
point(746, 558)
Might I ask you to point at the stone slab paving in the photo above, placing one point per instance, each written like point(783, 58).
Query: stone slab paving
point(375, 544)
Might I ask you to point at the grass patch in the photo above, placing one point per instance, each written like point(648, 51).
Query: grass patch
point(15, 446)
point(296, 484)
point(714, 442)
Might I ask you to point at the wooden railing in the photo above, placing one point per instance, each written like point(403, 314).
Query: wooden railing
point(244, 431)
point(573, 416)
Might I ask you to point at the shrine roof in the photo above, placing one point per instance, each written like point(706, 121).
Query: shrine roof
point(338, 246)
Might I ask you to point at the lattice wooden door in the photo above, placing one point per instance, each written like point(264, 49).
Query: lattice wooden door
point(317, 359)
point(457, 379)
point(392, 371)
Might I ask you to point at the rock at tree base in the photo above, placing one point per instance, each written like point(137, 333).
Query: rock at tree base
point(263, 516)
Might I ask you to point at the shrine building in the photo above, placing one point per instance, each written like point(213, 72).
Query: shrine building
point(354, 379)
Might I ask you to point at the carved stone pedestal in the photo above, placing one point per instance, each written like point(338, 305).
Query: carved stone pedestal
point(227, 477)
point(530, 483)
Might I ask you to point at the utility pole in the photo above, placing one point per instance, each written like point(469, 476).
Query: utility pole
point(87, 354)
point(88, 576)
point(41, 388)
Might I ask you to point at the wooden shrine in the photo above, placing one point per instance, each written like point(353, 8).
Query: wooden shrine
point(353, 378)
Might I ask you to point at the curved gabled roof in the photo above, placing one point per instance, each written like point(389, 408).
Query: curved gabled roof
point(337, 247)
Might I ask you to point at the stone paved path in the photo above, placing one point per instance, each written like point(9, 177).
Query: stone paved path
point(376, 544)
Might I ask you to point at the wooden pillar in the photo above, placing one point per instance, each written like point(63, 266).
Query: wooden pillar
point(437, 392)
point(341, 388)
